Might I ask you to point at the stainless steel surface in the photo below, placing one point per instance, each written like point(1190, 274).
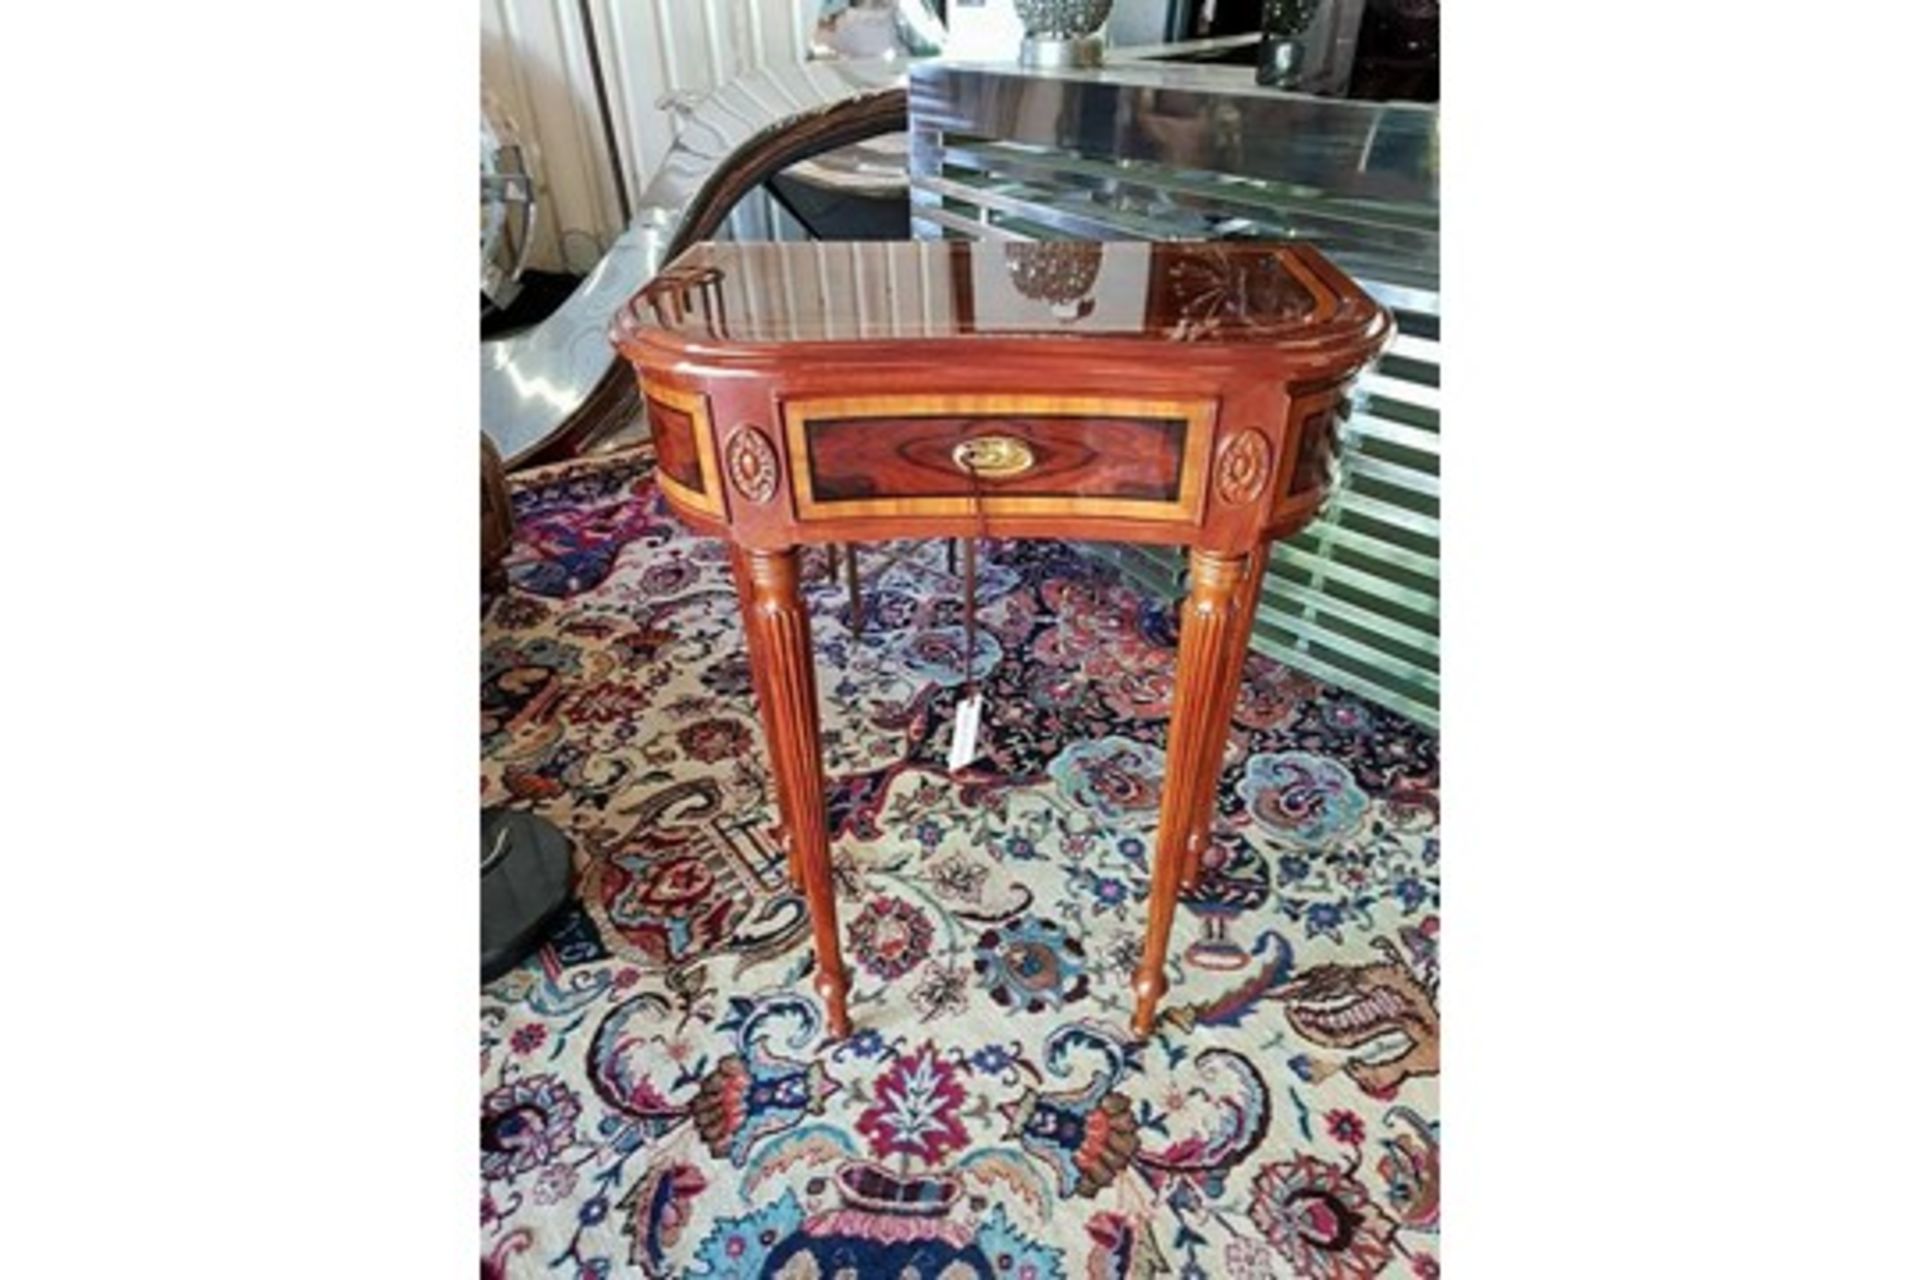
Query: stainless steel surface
point(1185, 50)
point(1214, 119)
point(532, 382)
point(508, 207)
point(1062, 51)
point(1160, 150)
point(1327, 51)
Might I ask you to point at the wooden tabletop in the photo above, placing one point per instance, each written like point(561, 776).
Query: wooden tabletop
point(820, 392)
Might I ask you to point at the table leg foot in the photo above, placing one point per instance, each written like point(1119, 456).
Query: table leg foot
point(1148, 986)
point(832, 990)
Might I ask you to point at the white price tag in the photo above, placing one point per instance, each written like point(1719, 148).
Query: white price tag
point(966, 733)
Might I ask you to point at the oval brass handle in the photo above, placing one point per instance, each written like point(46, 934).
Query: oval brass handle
point(993, 457)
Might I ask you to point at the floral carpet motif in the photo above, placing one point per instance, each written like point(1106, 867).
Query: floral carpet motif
point(658, 1093)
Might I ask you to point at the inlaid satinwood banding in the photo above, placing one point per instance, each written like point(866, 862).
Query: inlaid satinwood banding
point(892, 456)
point(682, 430)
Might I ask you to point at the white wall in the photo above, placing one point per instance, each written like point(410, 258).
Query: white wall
point(534, 59)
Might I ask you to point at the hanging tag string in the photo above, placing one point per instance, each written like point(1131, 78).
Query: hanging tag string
point(968, 712)
point(970, 571)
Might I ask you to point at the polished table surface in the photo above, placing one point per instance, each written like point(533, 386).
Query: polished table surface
point(1182, 393)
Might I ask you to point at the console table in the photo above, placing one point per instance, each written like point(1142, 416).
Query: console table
point(1186, 394)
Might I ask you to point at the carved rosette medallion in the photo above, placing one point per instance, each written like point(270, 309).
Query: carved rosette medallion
point(751, 466)
point(1242, 470)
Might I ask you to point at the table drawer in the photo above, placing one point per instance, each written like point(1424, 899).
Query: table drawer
point(892, 456)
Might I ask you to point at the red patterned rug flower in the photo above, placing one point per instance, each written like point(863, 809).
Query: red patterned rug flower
point(916, 1109)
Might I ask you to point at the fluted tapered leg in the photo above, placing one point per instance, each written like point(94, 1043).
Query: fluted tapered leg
point(781, 652)
point(1193, 755)
point(743, 582)
point(1246, 602)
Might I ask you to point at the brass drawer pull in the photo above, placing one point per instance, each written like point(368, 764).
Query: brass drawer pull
point(993, 457)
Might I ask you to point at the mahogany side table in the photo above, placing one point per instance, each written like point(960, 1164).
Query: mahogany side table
point(1176, 393)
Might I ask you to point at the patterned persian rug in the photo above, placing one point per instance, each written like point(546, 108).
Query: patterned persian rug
point(658, 1095)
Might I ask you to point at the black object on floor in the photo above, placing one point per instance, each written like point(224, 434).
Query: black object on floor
point(526, 878)
point(540, 295)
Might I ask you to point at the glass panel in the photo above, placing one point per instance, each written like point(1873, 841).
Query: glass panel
point(1193, 292)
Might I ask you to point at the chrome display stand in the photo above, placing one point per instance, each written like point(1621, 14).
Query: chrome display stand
point(1141, 149)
